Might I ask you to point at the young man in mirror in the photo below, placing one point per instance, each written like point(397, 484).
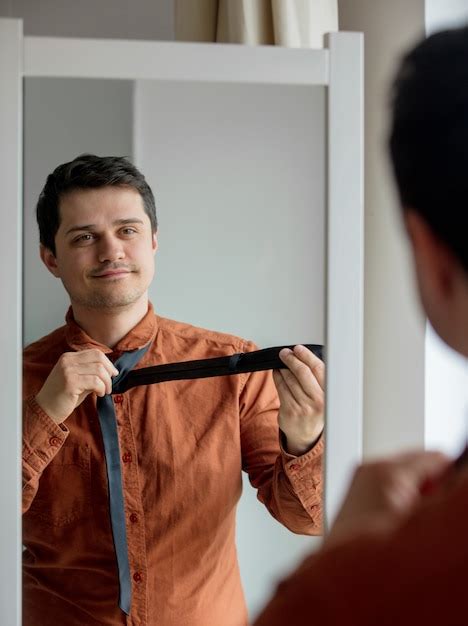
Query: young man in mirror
point(398, 551)
point(181, 445)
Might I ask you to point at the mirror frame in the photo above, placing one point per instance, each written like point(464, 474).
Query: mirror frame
point(339, 68)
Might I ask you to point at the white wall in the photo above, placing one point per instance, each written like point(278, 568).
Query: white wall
point(415, 387)
point(446, 423)
point(446, 384)
point(442, 14)
point(239, 177)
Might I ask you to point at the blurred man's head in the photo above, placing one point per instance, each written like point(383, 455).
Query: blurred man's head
point(429, 150)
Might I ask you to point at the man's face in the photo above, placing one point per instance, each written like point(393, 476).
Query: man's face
point(104, 247)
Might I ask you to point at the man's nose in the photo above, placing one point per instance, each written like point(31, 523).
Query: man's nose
point(110, 249)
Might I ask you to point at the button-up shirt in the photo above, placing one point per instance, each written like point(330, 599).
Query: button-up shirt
point(415, 573)
point(183, 445)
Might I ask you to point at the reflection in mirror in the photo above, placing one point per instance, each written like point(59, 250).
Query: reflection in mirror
point(238, 174)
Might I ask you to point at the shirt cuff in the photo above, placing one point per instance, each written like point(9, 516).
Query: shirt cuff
point(287, 456)
point(305, 474)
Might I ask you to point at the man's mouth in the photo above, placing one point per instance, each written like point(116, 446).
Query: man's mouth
point(112, 274)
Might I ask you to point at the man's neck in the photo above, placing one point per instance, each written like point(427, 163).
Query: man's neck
point(110, 326)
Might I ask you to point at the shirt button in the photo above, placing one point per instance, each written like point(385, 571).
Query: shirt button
point(127, 457)
point(134, 518)
point(294, 467)
point(118, 398)
point(137, 577)
point(54, 441)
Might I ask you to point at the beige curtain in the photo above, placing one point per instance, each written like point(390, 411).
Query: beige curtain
point(291, 23)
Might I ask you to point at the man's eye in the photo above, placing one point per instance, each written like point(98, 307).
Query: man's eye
point(85, 237)
point(128, 231)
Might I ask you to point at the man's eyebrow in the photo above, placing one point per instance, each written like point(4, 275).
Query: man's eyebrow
point(130, 220)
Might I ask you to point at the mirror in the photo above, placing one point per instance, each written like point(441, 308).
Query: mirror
point(238, 174)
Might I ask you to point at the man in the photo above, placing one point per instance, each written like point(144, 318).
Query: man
point(170, 558)
point(398, 551)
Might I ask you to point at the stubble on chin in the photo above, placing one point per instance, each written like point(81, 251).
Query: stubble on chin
point(102, 301)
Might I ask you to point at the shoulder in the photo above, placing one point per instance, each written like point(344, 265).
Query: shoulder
point(182, 337)
point(46, 349)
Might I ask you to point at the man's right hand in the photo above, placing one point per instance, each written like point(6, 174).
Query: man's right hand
point(75, 376)
point(383, 492)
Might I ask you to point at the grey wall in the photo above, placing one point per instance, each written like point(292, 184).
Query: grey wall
point(120, 19)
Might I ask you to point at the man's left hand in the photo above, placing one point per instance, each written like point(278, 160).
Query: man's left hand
point(301, 392)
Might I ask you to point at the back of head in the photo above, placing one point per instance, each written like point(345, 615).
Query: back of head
point(429, 135)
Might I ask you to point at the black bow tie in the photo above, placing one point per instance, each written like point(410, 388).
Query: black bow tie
point(258, 360)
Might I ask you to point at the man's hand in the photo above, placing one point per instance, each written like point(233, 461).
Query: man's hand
point(75, 376)
point(301, 393)
point(383, 492)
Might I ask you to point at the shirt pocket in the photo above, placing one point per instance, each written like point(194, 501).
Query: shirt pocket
point(64, 494)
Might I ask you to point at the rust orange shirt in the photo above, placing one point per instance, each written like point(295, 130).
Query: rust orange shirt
point(183, 445)
point(416, 574)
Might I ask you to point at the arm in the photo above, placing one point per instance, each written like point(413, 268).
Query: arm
point(73, 378)
point(392, 557)
point(42, 440)
point(289, 486)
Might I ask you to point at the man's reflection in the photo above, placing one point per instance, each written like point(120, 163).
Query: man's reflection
point(181, 445)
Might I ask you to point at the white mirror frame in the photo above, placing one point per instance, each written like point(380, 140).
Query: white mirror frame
point(339, 66)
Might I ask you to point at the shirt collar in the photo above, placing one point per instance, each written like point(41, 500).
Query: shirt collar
point(141, 334)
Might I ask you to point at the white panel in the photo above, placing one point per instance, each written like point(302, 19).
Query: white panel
point(100, 58)
point(345, 260)
point(10, 319)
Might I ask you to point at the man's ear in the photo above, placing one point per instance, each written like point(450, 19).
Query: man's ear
point(436, 265)
point(49, 260)
point(154, 241)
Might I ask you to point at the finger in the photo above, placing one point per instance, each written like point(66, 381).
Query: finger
point(91, 369)
point(424, 464)
point(284, 393)
point(90, 356)
point(111, 368)
point(302, 372)
point(304, 355)
point(316, 365)
point(294, 388)
point(94, 384)
point(100, 357)
point(280, 384)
